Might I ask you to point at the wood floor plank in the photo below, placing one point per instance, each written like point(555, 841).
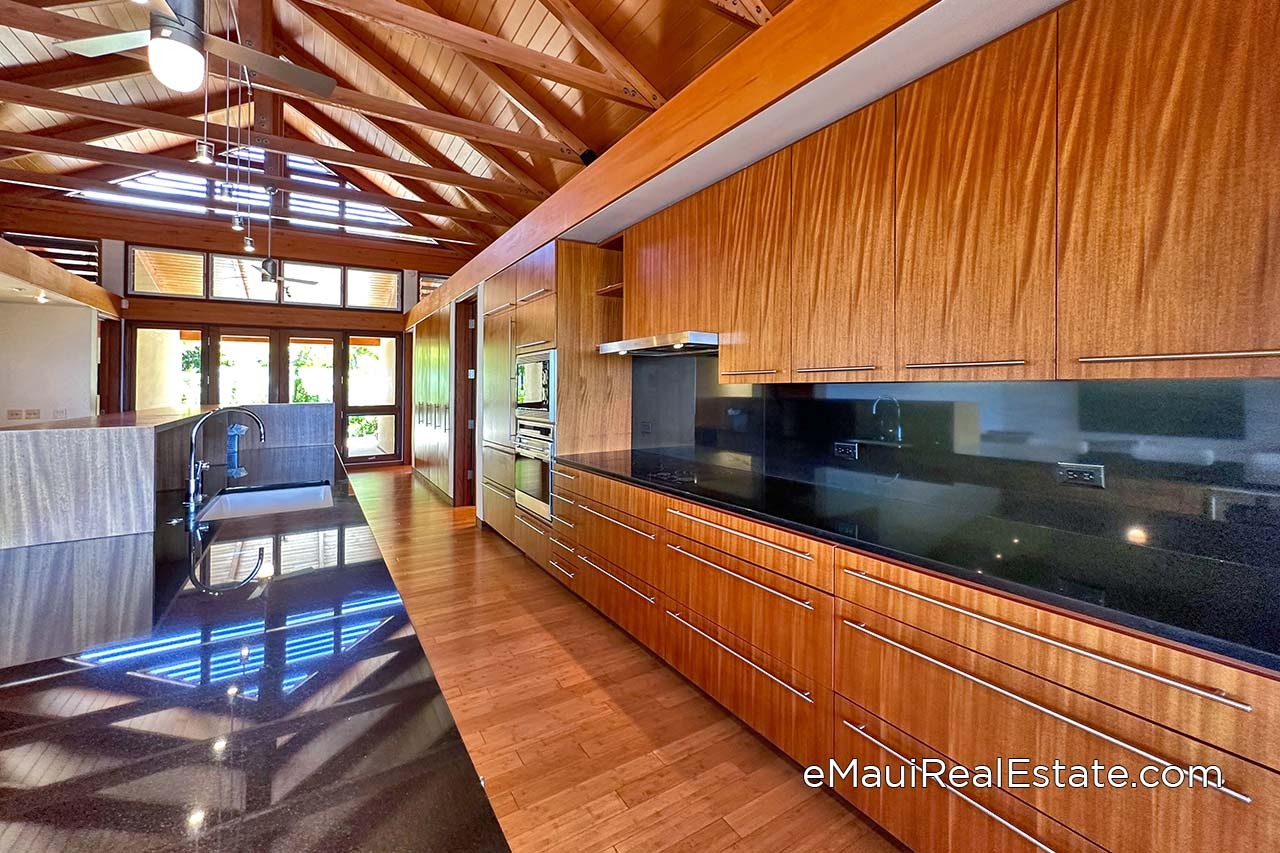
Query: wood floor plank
point(588, 743)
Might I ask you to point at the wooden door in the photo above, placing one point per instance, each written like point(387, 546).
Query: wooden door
point(496, 368)
point(975, 214)
point(668, 268)
point(753, 257)
point(842, 250)
point(440, 379)
point(421, 398)
point(1169, 193)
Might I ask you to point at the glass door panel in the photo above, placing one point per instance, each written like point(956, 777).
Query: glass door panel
point(167, 368)
point(372, 371)
point(371, 435)
point(311, 374)
point(244, 368)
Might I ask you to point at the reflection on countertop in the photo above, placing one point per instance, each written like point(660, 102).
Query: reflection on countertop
point(259, 689)
point(1205, 581)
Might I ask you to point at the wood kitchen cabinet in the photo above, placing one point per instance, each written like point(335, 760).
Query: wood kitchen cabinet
point(535, 274)
point(431, 426)
point(1168, 135)
point(975, 214)
point(753, 259)
point(497, 378)
point(669, 266)
point(841, 223)
point(499, 292)
point(536, 324)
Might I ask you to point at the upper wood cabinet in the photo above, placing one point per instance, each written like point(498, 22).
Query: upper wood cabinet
point(668, 266)
point(535, 274)
point(975, 214)
point(497, 378)
point(536, 324)
point(754, 280)
point(1169, 194)
point(842, 250)
point(499, 292)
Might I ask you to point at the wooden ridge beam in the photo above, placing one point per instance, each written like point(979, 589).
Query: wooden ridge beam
point(36, 272)
point(805, 40)
point(602, 49)
point(749, 13)
point(406, 78)
point(72, 72)
point(32, 18)
point(168, 163)
point(138, 117)
point(473, 42)
point(520, 97)
point(345, 137)
point(74, 183)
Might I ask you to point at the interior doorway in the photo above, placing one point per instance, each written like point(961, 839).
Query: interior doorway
point(464, 408)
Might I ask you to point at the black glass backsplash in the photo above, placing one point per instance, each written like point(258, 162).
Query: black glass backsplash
point(1185, 533)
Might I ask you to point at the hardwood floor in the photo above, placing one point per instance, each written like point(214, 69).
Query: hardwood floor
point(586, 741)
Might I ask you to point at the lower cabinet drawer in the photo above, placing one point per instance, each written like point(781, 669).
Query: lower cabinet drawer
point(562, 565)
point(499, 509)
point(628, 542)
point(564, 515)
point(790, 709)
point(632, 500)
point(624, 598)
point(783, 618)
point(933, 816)
point(499, 465)
point(977, 710)
point(531, 535)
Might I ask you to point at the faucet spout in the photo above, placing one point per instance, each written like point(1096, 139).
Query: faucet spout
point(197, 467)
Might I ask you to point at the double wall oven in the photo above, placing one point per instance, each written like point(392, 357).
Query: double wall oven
point(535, 405)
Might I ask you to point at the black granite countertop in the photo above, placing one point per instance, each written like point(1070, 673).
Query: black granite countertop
point(1210, 584)
point(158, 693)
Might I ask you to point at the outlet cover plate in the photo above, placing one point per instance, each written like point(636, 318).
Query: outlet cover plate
point(1081, 474)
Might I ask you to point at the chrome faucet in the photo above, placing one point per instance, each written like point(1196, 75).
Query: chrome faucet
point(197, 467)
point(897, 433)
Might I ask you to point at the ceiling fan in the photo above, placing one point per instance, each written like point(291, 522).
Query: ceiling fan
point(176, 44)
point(270, 269)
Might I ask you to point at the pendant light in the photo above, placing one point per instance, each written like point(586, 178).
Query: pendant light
point(204, 152)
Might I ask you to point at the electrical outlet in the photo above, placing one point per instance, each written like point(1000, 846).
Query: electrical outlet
point(1080, 474)
point(31, 414)
point(646, 427)
point(13, 414)
point(846, 449)
point(59, 414)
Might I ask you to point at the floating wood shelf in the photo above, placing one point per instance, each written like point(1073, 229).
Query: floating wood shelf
point(610, 290)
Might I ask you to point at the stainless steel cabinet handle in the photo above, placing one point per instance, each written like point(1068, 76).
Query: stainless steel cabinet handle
point(1214, 695)
point(554, 541)
point(834, 369)
point(585, 508)
point(501, 307)
point(801, 554)
point(1006, 363)
point(615, 579)
point(1036, 706)
point(861, 730)
point(1181, 356)
point(558, 520)
point(534, 295)
point(803, 694)
point(532, 527)
point(563, 499)
point(532, 343)
point(747, 372)
point(561, 569)
point(563, 474)
point(807, 605)
point(497, 489)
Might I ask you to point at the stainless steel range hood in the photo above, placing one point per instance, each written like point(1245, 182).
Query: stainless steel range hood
point(672, 343)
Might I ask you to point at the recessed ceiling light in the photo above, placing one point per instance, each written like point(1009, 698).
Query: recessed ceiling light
point(41, 298)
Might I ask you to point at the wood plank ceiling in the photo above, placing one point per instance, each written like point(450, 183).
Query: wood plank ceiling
point(407, 72)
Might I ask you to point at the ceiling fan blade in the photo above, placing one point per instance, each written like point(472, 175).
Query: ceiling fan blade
point(299, 281)
point(278, 69)
point(159, 7)
point(95, 46)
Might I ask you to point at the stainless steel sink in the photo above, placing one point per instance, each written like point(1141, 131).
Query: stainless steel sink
point(266, 502)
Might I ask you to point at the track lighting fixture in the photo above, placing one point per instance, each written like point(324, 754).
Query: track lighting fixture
point(248, 244)
point(237, 223)
point(204, 152)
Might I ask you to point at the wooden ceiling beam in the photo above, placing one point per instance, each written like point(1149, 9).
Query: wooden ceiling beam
point(356, 178)
point(345, 137)
point(406, 78)
point(137, 117)
point(73, 183)
point(478, 43)
point(89, 130)
point(31, 18)
point(36, 272)
point(166, 162)
point(602, 49)
point(520, 97)
point(71, 72)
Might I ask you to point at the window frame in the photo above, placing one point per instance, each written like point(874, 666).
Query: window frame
point(398, 308)
point(212, 257)
point(132, 250)
point(342, 282)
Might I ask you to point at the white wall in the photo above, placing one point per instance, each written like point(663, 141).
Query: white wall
point(48, 361)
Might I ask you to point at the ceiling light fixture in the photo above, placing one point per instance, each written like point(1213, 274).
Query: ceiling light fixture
point(248, 244)
point(237, 223)
point(42, 299)
point(204, 152)
point(176, 54)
